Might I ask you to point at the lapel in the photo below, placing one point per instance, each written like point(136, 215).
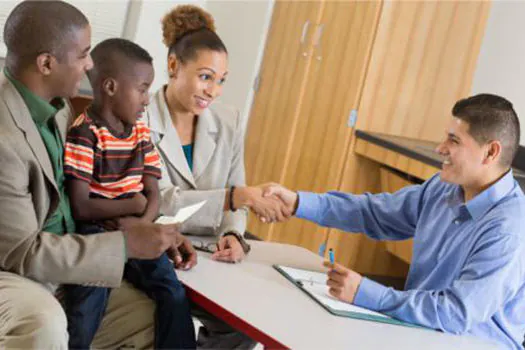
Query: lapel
point(169, 143)
point(24, 122)
point(205, 142)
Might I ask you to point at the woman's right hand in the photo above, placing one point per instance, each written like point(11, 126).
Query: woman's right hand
point(268, 209)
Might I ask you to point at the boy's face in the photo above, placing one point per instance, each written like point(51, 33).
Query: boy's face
point(132, 95)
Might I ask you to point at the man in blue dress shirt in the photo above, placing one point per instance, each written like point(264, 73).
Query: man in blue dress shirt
point(468, 269)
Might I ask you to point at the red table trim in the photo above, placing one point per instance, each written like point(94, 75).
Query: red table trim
point(233, 320)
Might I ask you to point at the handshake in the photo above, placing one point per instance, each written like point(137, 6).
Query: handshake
point(270, 202)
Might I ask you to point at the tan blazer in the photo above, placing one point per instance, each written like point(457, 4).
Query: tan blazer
point(28, 195)
point(218, 163)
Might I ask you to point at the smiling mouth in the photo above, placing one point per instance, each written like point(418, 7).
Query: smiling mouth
point(202, 102)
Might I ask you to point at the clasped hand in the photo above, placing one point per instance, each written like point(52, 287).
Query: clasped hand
point(270, 202)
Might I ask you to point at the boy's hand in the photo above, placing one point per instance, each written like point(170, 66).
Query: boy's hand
point(149, 241)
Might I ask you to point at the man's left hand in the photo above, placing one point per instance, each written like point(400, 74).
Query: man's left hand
point(182, 253)
point(343, 282)
point(229, 250)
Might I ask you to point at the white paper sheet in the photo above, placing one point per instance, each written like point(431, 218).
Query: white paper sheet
point(315, 283)
point(182, 215)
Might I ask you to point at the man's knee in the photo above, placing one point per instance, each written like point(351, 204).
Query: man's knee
point(30, 316)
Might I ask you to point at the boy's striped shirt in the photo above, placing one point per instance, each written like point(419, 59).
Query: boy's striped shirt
point(112, 165)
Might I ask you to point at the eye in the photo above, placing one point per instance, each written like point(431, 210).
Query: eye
point(205, 76)
point(222, 81)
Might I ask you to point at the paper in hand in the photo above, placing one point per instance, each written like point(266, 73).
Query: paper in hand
point(182, 215)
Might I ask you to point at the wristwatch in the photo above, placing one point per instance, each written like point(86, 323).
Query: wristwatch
point(245, 246)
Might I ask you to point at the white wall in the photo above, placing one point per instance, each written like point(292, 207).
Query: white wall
point(501, 63)
point(243, 26)
point(148, 33)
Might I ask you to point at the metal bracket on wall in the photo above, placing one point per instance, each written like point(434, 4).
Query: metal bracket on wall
point(352, 118)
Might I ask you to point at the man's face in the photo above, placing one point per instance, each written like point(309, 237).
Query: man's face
point(463, 157)
point(69, 70)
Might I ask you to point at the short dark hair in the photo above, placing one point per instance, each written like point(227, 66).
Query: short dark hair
point(490, 118)
point(36, 27)
point(112, 57)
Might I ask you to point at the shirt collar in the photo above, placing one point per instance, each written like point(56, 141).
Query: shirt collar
point(40, 109)
point(481, 203)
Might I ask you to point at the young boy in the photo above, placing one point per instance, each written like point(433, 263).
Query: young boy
point(112, 171)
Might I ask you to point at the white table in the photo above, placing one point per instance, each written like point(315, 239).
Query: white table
point(256, 299)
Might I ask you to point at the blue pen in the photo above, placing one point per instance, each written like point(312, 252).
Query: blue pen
point(331, 256)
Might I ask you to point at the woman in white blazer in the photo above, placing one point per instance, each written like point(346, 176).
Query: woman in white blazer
point(201, 145)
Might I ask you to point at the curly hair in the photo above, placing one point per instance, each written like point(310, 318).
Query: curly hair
point(187, 29)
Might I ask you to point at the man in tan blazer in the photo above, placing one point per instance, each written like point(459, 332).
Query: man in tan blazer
point(48, 52)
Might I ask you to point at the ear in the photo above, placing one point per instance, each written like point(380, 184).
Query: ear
point(45, 63)
point(110, 86)
point(173, 65)
point(492, 152)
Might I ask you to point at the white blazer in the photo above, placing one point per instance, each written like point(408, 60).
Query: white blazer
point(218, 163)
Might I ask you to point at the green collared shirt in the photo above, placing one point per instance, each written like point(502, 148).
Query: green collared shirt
point(43, 113)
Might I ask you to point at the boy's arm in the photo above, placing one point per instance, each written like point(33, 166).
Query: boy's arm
point(86, 208)
point(152, 193)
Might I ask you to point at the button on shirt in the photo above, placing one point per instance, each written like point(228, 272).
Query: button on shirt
point(468, 267)
point(43, 113)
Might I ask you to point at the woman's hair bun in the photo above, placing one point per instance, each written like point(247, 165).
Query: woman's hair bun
point(184, 19)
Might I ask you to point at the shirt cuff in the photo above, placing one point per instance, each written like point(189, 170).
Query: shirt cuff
point(370, 294)
point(309, 204)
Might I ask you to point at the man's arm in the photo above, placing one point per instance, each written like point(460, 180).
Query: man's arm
point(489, 278)
point(44, 256)
point(86, 208)
point(389, 216)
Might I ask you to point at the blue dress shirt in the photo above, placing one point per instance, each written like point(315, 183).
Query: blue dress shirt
point(468, 267)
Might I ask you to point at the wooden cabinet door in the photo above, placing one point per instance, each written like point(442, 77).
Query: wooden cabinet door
point(281, 84)
point(342, 42)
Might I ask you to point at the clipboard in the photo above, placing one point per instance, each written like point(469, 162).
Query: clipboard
point(313, 283)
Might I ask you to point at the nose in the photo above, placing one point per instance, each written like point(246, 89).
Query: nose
point(213, 90)
point(441, 149)
point(89, 63)
point(146, 100)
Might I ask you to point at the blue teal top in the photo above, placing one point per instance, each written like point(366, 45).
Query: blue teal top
point(468, 267)
point(188, 153)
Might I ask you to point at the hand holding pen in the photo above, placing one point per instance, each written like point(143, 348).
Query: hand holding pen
point(343, 282)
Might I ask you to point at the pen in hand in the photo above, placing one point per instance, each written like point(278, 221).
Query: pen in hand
point(331, 257)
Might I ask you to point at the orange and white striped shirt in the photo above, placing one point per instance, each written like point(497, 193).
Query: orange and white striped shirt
point(112, 165)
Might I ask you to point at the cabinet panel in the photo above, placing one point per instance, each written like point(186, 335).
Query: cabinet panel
point(392, 182)
point(282, 80)
point(423, 61)
point(342, 43)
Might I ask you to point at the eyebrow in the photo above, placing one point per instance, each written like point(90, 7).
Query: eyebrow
point(452, 135)
point(206, 68)
point(87, 49)
point(211, 70)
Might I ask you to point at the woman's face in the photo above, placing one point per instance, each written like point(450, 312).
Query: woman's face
point(196, 83)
